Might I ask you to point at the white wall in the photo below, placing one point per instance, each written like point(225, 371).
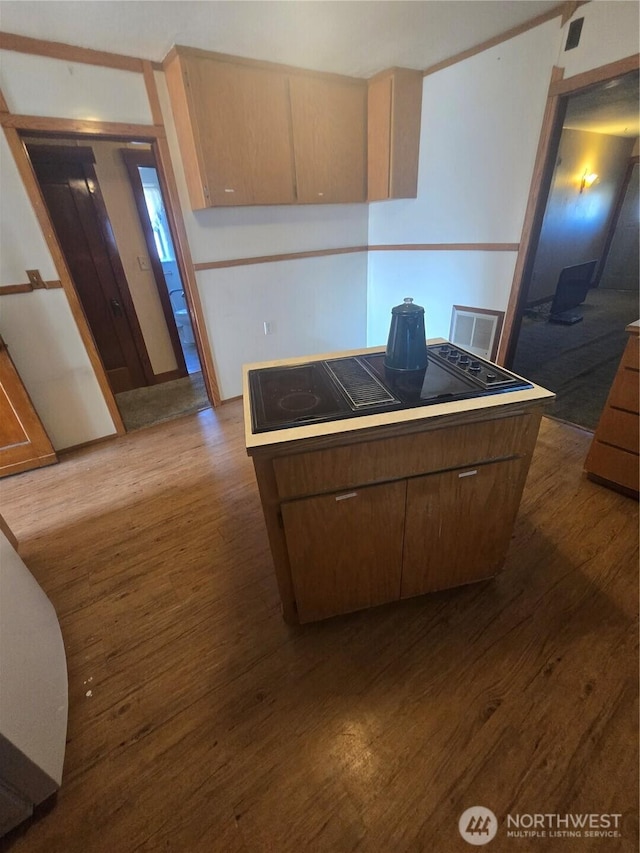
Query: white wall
point(40, 86)
point(609, 32)
point(316, 304)
point(39, 329)
point(437, 281)
point(481, 121)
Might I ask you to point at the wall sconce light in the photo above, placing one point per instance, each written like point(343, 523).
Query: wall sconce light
point(588, 180)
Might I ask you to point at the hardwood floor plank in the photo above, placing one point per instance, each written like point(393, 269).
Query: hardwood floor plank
point(211, 725)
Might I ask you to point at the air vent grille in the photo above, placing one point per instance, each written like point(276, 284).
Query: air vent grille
point(361, 387)
point(476, 329)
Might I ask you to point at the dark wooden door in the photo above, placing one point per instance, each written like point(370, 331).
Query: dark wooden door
point(72, 195)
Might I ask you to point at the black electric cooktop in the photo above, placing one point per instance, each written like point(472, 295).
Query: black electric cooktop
point(346, 387)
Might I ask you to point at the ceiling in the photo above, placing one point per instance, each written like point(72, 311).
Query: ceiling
point(610, 108)
point(355, 37)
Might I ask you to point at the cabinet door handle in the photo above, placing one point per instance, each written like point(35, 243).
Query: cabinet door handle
point(468, 473)
point(116, 308)
point(347, 496)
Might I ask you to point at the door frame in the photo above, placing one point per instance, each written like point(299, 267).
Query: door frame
point(133, 158)
point(155, 135)
point(560, 90)
point(85, 157)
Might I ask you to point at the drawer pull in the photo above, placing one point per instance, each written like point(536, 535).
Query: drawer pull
point(468, 473)
point(347, 496)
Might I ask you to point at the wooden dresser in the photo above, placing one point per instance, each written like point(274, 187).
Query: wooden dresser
point(613, 455)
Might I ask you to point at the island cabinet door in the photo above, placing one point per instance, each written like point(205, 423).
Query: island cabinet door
point(345, 549)
point(459, 525)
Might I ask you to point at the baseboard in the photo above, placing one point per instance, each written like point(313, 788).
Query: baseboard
point(159, 378)
point(93, 441)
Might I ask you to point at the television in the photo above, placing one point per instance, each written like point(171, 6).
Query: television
point(571, 291)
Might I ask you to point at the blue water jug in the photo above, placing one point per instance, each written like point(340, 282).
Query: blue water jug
point(407, 345)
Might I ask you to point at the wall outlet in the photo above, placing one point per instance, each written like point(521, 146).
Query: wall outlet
point(269, 327)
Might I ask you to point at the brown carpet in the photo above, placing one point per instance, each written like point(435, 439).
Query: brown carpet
point(143, 407)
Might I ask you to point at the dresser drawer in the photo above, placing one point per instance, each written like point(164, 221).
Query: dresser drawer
point(631, 355)
point(622, 429)
point(624, 391)
point(404, 456)
point(610, 463)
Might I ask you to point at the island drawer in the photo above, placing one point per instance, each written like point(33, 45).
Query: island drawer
point(387, 459)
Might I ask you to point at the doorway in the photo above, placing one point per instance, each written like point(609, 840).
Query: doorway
point(68, 181)
point(148, 195)
point(101, 234)
point(576, 355)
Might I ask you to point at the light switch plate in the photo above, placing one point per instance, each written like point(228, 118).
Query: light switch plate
point(35, 279)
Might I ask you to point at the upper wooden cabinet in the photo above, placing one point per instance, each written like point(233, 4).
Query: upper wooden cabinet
point(394, 110)
point(234, 129)
point(256, 133)
point(329, 138)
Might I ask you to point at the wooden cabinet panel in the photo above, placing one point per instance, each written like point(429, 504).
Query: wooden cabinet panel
point(393, 134)
point(631, 355)
point(459, 524)
point(23, 442)
point(613, 456)
point(624, 391)
point(404, 455)
point(235, 121)
point(345, 550)
point(379, 138)
point(617, 466)
point(329, 139)
point(619, 428)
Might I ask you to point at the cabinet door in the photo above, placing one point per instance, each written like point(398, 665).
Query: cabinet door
point(379, 138)
point(345, 549)
point(394, 112)
point(24, 443)
point(329, 139)
point(243, 132)
point(459, 525)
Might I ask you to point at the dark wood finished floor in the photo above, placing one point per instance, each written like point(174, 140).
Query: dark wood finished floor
point(199, 721)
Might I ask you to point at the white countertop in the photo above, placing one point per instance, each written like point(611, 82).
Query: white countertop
point(362, 422)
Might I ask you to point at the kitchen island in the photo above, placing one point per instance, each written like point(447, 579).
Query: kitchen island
point(374, 508)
